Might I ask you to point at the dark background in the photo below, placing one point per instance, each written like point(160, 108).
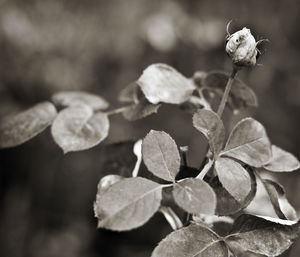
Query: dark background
point(46, 198)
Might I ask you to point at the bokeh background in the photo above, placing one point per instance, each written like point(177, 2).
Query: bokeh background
point(46, 198)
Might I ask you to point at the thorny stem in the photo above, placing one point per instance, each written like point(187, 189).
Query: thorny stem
point(235, 69)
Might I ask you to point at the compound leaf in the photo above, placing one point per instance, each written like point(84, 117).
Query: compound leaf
point(161, 155)
point(234, 178)
point(128, 203)
point(21, 127)
point(282, 161)
point(162, 83)
point(195, 196)
point(191, 241)
point(211, 126)
point(263, 235)
point(249, 143)
point(77, 128)
point(74, 98)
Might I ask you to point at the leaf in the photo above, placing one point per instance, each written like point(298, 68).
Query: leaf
point(131, 93)
point(128, 204)
point(74, 98)
point(161, 155)
point(103, 185)
point(193, 104)
point(227, 204)
point(162, 83)
point(281, 205)
point(194, 240)
point(282, 161)
point(140, 110)
point(198, 78)
point(21, 127)
point(77, 128)
point(263, 235)
point(195, 196)
point(240, 95)
point(107, 181)
point(234, 178)
point(249, 143)
point(211, 126)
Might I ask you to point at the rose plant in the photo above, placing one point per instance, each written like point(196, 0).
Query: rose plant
point(222, 188)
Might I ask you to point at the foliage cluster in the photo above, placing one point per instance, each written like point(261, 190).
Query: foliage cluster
point(223, 187)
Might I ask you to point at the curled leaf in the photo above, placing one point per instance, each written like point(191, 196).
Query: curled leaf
point(281, 205)
point(18, 128)
point(162, 83)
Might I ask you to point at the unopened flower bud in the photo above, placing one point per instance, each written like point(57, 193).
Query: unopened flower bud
point(241, 47)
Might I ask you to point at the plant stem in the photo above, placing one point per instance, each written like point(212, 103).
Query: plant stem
point(206, 169)
point(118, 110)
point(171, 217)
point(183, 151)
point(235, 69)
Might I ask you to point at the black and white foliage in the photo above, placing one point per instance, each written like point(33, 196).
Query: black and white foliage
point(225, 186)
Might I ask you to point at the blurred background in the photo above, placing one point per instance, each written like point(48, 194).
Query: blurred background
point(46, 198)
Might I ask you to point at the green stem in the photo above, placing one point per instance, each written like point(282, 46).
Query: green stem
point(227, 90)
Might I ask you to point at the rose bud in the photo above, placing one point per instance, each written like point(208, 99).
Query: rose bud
point(241, 47)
